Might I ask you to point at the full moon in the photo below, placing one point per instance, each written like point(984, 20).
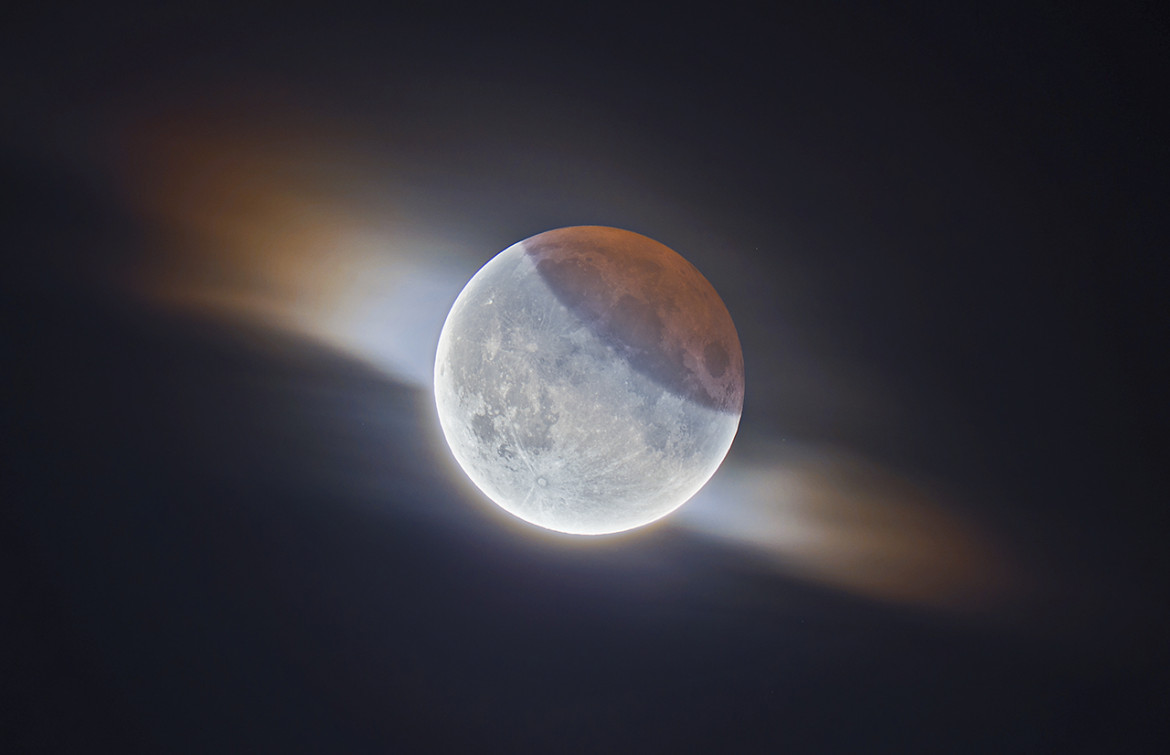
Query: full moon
point(589, 380)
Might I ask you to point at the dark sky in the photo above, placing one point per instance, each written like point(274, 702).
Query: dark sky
point(230, 526)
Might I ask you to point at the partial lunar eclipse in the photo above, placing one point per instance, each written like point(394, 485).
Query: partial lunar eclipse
point(589, 380)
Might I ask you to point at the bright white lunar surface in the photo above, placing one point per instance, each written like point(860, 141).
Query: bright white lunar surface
point(589, 380)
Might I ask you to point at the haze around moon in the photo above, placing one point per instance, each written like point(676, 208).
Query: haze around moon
point(589, 380)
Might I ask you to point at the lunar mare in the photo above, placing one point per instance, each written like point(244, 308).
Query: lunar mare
point(589, 380)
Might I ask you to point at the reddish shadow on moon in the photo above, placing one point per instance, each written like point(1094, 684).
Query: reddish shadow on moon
point(650, 305)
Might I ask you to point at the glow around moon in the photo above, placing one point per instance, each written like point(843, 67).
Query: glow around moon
point(589, 380)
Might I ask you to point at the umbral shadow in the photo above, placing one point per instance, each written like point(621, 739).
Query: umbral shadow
point(650, 305)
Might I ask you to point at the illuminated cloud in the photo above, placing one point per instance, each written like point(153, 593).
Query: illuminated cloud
point(280, 227)
point(293, 224)
point(835, 518)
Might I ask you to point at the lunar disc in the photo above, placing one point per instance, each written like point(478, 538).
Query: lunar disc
point(589, 380)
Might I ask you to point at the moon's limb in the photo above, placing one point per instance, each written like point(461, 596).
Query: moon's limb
point(556, 401)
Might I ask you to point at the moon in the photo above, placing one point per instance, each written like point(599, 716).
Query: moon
point(589, 380)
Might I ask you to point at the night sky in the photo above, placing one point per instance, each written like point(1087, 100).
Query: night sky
point(234, 229)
